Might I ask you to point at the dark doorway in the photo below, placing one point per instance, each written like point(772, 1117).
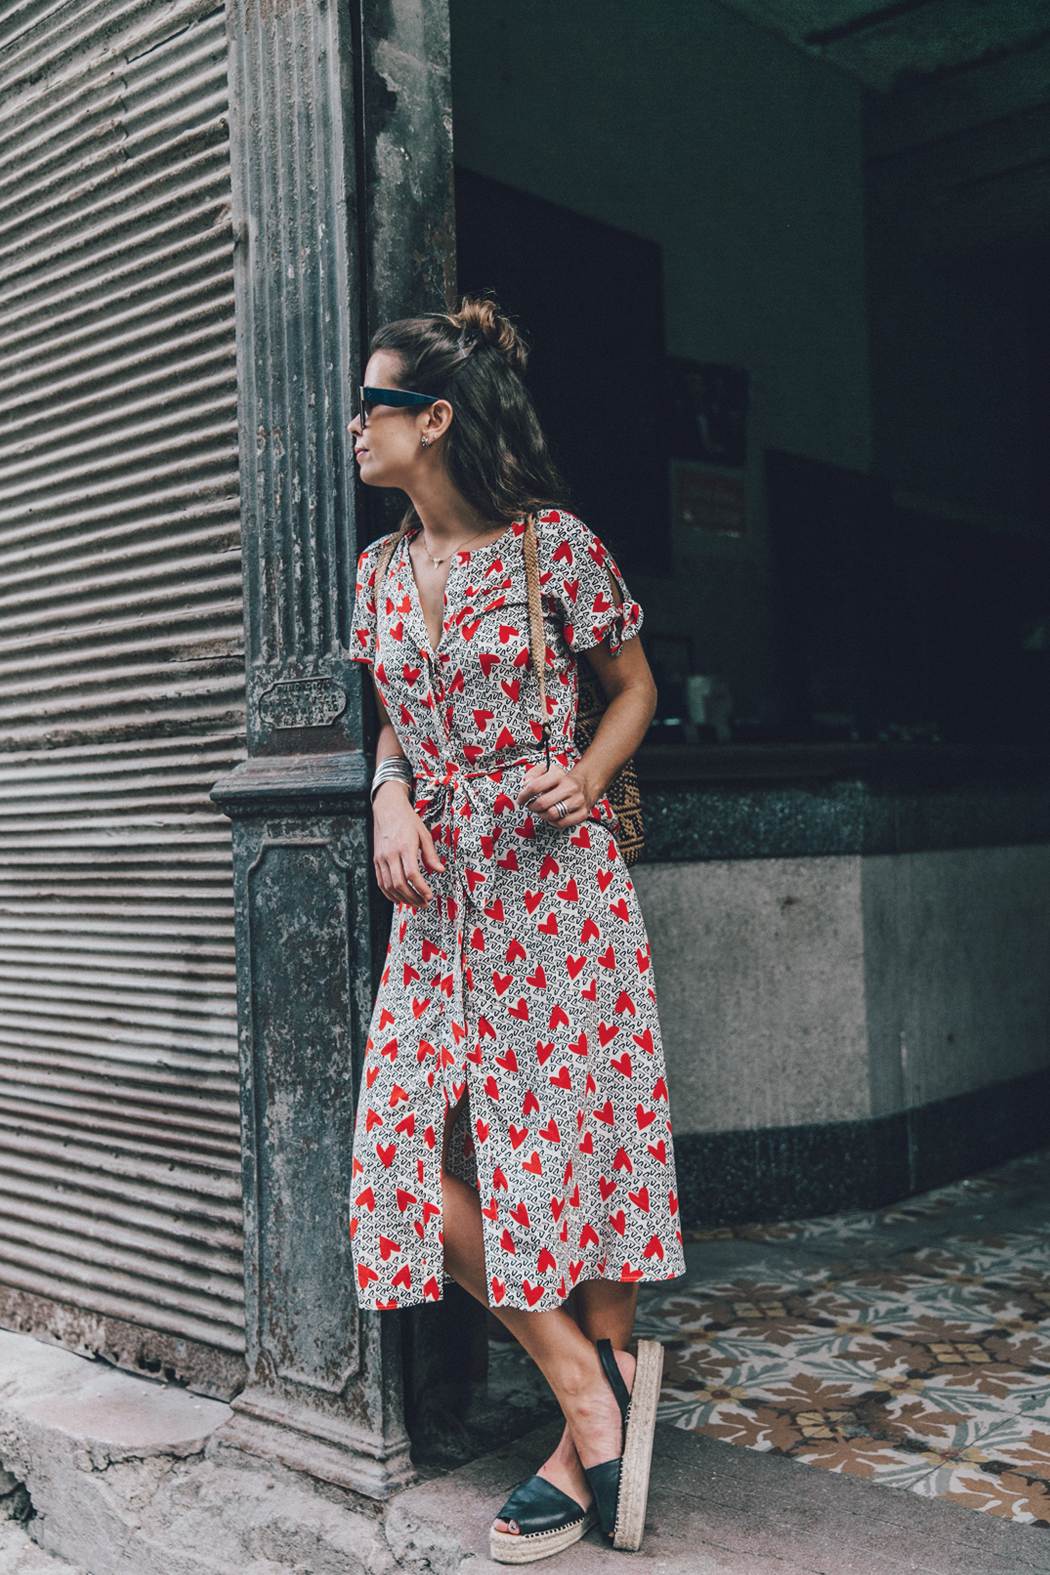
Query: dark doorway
point(590, 299)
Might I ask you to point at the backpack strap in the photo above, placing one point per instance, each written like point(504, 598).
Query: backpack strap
point(537, 637)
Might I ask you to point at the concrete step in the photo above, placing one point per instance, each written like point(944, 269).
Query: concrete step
point(717, 1509)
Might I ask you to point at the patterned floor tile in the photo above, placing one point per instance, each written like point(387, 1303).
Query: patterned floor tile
point(912, 1348)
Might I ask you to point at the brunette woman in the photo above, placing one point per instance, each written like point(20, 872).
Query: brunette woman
point(513, 1128)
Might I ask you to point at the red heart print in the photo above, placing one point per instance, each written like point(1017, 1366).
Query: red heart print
point(624, 1003)
point(590, 993)
point(491, 1211)
point(397, 631)
point(508, 1060)
point(509, 862)
point(491, 1087)
point(410, 975)
point(386, 1247)
point(419, 1007)
point(557, 1204)
point(570, 893)
point(627, 1273)
point(618, 1221)
point(579, 1046)
point(558, 1018)
point(575, 1268)
point(408, 1125)
point(397, 1094)
point(590, 931)
point(469, 630)
point(645, 1117)
point(571, 588)
point(551, 1133)
point(488, 660)
point(643, 962)
point(607, 1032)
point(506, 632)
point(372, 1119)
point(531, 1103)
point(517, 1135)
point(672, 1203)
point(654, 1249)
point(477, 940)
point(644, 1040)
point(485, 1029)
point(365, 1274)
point(371, 1075)
point(563, 553)
point(495, 911)
point(622, 1064)
point(516, 950)
point(499, 1290)
point(620, 909)
point(605, 1114)
point(582, 838)
point(658, 1151)
point(549, 925)
point(520, 1213)
point(604, 879)
point(561, 1079)
point(403, 1277)
point(386, 1154)
point(506, 1241)
point(532, 1292)
point(474, 878)
point(587, 1143)
point(386, 1015)
point(537, 979)
point(367, 1199)
point(501, 981)
point(499, 1179)
point(533, 1164)
point(640, 1199)
point(512, 689)
point(607, 1188)
point(521, 1010)
point(533, 900)
point(549, 867)
point(575, 965)
point(390, 1050)
point(504, 805)
point(411, 674)
point(545, 1261)
point(659, 1089)
point(588, 1236)
point(482, 1129)
point(623, 1161)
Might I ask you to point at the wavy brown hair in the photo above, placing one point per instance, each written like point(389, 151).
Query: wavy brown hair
point(494, 451)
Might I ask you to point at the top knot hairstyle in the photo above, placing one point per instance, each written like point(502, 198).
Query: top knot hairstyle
point(494, 449)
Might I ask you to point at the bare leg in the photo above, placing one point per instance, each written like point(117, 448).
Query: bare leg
point(558, 1344)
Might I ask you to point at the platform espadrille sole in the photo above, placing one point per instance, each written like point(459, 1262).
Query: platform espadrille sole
point(638, 1447)
point(506, 1547)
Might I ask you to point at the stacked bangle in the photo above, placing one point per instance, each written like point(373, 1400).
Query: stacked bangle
point(395, 768)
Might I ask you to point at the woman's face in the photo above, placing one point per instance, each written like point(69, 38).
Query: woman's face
point(389, 450)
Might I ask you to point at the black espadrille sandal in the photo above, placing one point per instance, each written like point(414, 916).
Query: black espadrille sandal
point(621, 1487)
point(547, 1519)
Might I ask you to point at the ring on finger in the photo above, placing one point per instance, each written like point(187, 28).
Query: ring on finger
point(562, 809)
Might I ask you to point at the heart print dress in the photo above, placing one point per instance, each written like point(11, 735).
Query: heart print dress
point(527, 982)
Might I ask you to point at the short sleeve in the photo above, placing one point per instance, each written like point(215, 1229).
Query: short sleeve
point(578, 568)
point(363, 625)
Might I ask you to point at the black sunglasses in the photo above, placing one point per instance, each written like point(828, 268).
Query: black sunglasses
point(391, 396)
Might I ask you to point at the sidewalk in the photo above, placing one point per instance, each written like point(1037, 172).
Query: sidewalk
point(814, 1369)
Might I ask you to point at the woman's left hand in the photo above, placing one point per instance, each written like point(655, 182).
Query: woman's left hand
point(542, 791)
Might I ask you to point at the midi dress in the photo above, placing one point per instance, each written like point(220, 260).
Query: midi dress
point(527, 982)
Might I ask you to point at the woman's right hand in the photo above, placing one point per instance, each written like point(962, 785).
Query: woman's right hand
point(401, 839)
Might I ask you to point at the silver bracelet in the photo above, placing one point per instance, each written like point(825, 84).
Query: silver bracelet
point(395, 768)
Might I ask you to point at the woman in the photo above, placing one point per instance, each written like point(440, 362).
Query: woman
point(512, 1131)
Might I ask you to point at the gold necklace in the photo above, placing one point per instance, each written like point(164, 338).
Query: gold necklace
point(437, 562)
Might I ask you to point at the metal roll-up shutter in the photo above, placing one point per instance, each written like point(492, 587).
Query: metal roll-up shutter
point(121, 687)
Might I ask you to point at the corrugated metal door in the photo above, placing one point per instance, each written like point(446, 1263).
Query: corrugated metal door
point(121, 686)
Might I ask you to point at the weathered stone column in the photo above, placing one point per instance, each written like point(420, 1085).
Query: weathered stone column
point(341, 152)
